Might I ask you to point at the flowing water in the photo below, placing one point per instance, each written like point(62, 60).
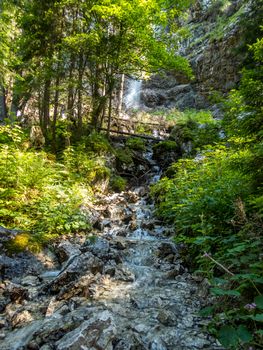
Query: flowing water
point(142, 298)
point(132, 95)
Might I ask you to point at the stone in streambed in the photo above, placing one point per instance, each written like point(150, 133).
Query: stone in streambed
point(16, 293)
point(20, 318)
point(96, 333)
point(65, 250)
point(30, 281)
point(167, 318)
point(123, 274)
point(165, 249)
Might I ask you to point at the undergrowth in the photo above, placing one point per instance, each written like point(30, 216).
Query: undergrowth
point(42, 197)
point(214, 199)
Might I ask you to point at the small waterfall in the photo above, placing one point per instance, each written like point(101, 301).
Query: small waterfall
point(132, 95)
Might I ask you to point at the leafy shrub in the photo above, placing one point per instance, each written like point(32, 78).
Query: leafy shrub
point(124, 156)
point(136, 144)
point(41, 197)
point(201, 195)
point(165, 146)
point(208, 199)
point(97, 143)
point(197, 127)
point(118, 183)
point(85, 167)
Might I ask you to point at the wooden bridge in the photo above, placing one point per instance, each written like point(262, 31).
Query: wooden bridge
point(128, 127)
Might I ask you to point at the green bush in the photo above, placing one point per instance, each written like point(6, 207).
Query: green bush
point(201, 195)
point(118, 183)
point(97, 143)
point(124, 156)
point(165, 146)
point(41, 197)
point(136, 144)
point(211, 200)
point(197, 127)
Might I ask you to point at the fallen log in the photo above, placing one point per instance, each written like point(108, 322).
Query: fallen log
point(146, 137)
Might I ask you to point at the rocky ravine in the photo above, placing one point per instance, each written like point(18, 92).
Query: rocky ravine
point(126, 290)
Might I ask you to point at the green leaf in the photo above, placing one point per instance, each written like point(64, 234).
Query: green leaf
point(228, 336)
point(260, 332)
point(259, 301)
point(206, 311)
point(244, 334)
point(219, 291)
point(258, 317)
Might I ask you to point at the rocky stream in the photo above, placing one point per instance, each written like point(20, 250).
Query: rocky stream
point(127, 289)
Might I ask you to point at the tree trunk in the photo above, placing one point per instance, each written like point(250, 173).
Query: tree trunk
point(70, 103)
point(46, 105)
point(55, 117)
point(109, 116)
point(80, 88)
point(97, 101)
point(3, 108)
point(121, 94)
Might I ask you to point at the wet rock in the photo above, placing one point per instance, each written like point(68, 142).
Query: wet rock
point(20, 318)
point(100, 248)
point(2, 322)
point(124, 274)
point(30, 281)
point(118, 244)
point(167, 318)
point(16, 293)
point(4, 301)
point(131, 197)
point(149, 225)
point(6, 263)
point(157, 344)
point(47, 259)
point(103, 223)
point(96, 333)
point(175, 271)
point(66, 250)
point(45, 347)
point(109, 270)
point(75, 266)
point(165, 249)
point(123, 232)
point(32, 346)
point(83, 287)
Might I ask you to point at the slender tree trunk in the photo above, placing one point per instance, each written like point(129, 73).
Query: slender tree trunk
point(46, 105)
point(96, 100)
point(70, 103)
point(3, 108)
point(121, 94)
point(80, 88)
point(40, 109)
point(109, 116)
point(111, 87)
point(55, 117)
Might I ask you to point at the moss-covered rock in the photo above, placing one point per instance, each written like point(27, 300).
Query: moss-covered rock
point(97, 143)
point(136, 144)
point(118, 183)
point(165, 146)
point(123, 156)
point(165, 152)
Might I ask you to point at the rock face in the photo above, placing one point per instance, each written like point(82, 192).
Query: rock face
point(219, 32)
point(127, 289)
